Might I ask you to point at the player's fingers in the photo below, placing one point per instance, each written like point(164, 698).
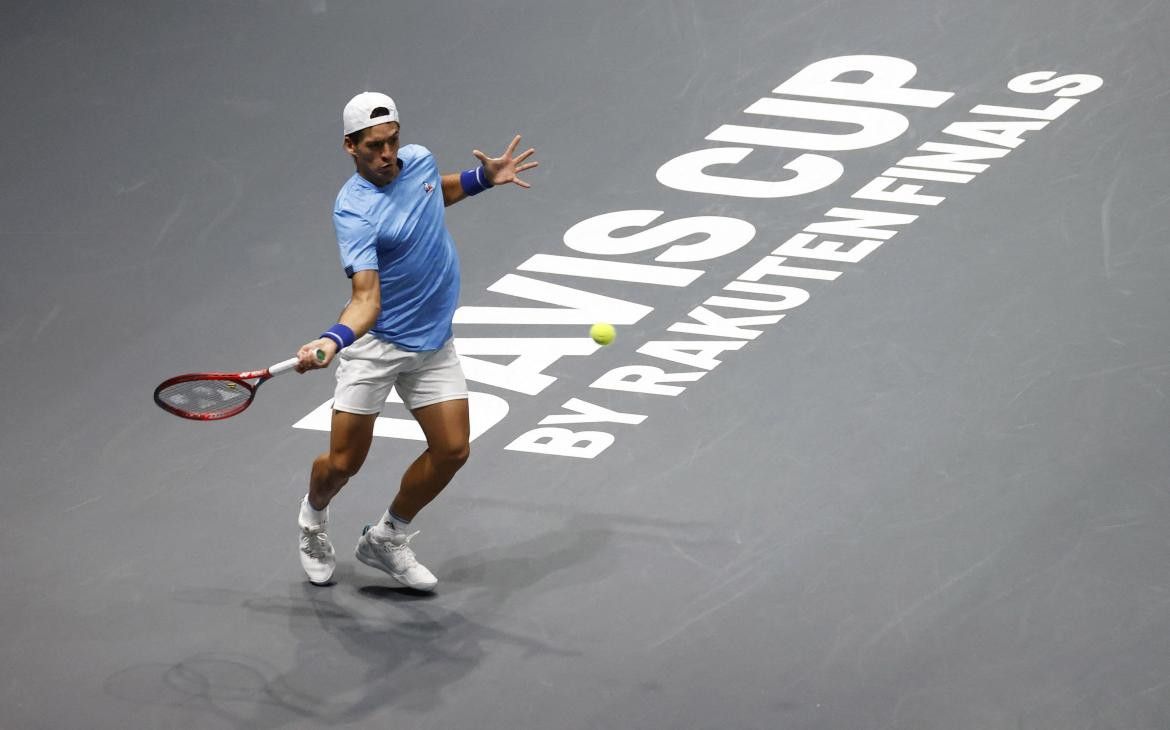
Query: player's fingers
point(525, 154)
point(521, 183)
point(321, 347)
point(307, 356)
point(480, 156)
point(527, 166)
point(512, 146)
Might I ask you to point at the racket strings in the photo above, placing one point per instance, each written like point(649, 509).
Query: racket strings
point(206, 397)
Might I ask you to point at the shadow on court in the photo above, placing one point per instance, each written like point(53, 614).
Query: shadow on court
point(359, 650)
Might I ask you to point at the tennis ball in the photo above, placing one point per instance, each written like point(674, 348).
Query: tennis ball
point(602, 333)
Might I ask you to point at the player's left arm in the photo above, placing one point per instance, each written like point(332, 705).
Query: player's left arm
point(497, 170)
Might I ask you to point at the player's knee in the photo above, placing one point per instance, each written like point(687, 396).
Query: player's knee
point(344, 464)
point(452, 456)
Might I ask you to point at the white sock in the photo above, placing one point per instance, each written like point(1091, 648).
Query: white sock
point(388, 525)
point(311, 517)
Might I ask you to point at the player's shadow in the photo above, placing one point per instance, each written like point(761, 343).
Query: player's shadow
point(404, 647)
point(410, 645)
point(361, 650)
point(499, 572)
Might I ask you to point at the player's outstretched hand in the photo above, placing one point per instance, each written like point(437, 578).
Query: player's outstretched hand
point(505, 168)
point(307, 355)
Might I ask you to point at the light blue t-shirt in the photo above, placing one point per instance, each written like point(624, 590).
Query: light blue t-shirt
point(399, 230)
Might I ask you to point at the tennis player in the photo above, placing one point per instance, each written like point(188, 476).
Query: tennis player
point(395, 331)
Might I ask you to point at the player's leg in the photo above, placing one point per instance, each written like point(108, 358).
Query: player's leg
point(447, 427)
point(366, 371)
point(349, 442)
point(385, 546)
point(436, 392)
point(365, 375)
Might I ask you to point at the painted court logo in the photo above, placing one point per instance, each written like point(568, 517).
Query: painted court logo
point(796, 266)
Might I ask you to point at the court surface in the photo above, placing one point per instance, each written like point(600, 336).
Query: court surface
point(933, 495)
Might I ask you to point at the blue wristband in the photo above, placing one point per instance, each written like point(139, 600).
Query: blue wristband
point(340, 334)
point(475, 181)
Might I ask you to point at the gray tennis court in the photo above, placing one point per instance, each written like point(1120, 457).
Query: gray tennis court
point(881, 442)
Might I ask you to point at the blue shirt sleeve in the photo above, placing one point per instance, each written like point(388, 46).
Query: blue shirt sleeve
point(357, 240)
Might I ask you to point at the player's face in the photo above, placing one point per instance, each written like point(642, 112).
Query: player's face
point(377, 154)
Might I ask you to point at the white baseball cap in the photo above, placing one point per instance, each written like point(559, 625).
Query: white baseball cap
point(359, 112)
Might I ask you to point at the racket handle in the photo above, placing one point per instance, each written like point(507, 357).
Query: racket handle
point(282, 367)
point(285, 365)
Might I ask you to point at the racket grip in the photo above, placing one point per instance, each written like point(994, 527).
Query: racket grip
point(282, 367)
point(285, 365)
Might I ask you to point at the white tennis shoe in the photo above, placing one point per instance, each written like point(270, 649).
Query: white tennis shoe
point(317, 557)
point(394, 557)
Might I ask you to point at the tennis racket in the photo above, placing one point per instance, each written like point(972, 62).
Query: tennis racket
point(213, 396)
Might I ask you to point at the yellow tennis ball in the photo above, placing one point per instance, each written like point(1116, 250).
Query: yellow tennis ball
point(602, 333)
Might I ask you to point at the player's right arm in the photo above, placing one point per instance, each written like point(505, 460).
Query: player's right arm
point(359, 315)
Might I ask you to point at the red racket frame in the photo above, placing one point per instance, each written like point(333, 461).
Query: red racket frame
point(239, 378)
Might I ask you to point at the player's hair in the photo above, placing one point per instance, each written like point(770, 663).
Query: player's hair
point(355, 138)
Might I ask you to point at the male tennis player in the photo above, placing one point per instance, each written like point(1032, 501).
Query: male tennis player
point(395, 330)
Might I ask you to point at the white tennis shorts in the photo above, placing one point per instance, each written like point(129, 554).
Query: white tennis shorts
point(370, 367)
